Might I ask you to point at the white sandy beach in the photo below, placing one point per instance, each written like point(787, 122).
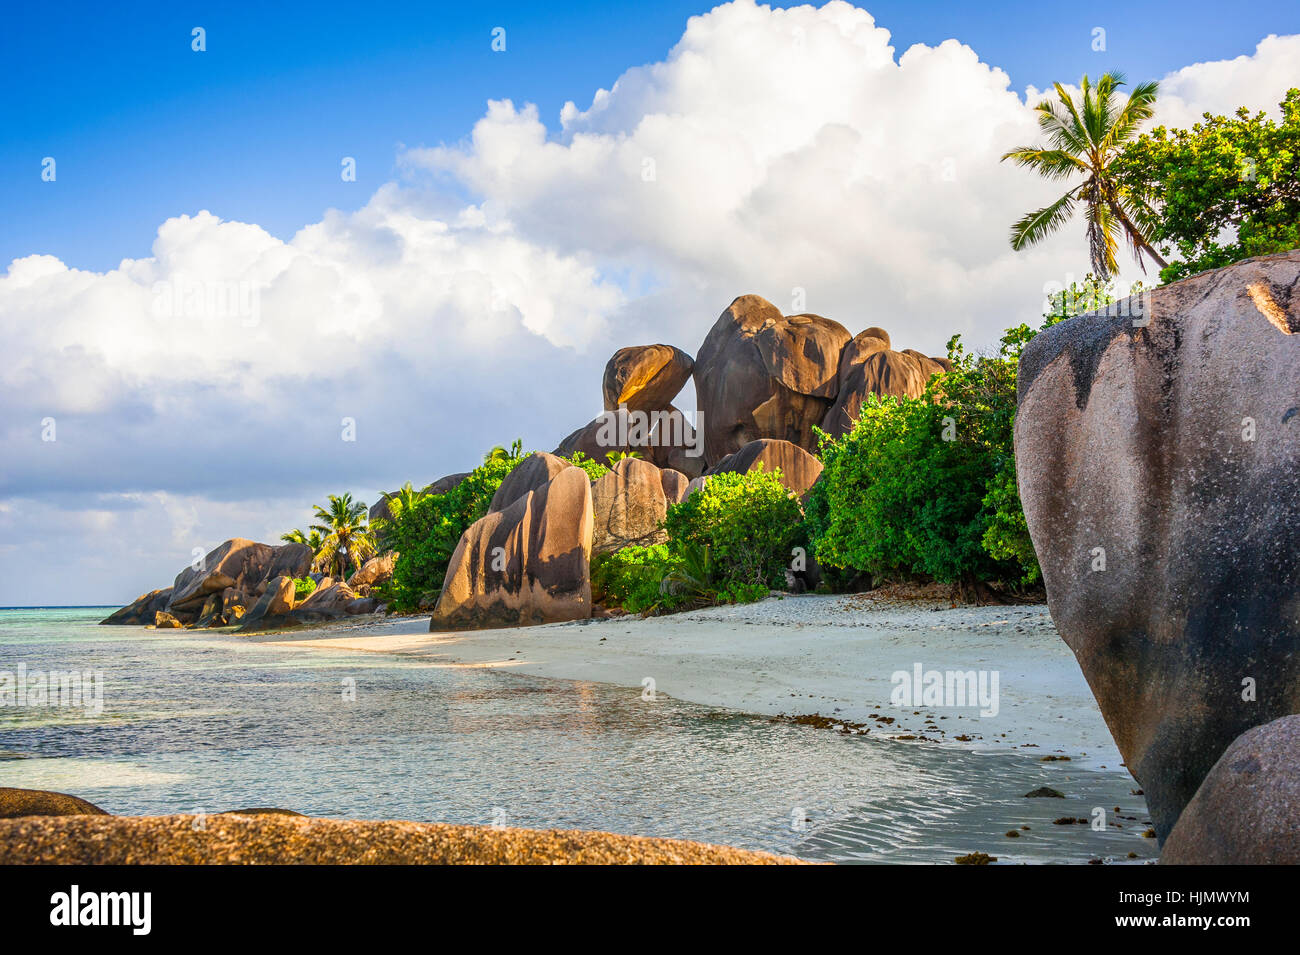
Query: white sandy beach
point(829, 655)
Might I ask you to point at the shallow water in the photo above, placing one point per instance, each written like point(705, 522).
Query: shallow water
point(205, 723)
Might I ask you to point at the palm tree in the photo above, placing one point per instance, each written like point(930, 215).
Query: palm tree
point(347, 540)
point(499, 453)
point(401, 502)
point(1086, 141)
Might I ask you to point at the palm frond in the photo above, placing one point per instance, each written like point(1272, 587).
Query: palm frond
point(1038, 225)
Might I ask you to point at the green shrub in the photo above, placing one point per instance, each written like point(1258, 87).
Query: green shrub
point(927, 486)
point(631, 578)
point(302, 586)
point(595, 470)
point(749, 524)
point(425, 532)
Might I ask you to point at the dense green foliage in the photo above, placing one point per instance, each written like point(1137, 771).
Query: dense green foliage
point(1224, 190)
point(745, 526)
point(341, 539)
point(595, 470)
point(729, 542)
point(302, 587)
point(425, 528)
point(632, 578)
point(927, 486)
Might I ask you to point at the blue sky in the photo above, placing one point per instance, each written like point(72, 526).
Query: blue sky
point(253, 129)
point(474, 280)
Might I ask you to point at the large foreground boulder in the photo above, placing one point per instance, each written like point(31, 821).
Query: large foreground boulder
point(527, 564)
point(629, 503)
point(1247, 810)
point(15, 803)
point(868, 365)
point(278, 839)
point(799, 469)
point(760, 374)
point(645, 377)
point(1158, 455)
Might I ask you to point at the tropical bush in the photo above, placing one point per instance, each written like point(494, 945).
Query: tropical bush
point(302, 587)
point(1224, 190)
point(632, 578)
point(744, 527)
point(926, 487)
point(595, 470)
point(425, 530)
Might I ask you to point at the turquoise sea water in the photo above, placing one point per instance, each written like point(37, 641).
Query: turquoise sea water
point(207, 722)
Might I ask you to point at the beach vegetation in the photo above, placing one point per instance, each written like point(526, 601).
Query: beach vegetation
point(1225, 190)
point(1085, 139)
point(426, 530)
point(346, 538)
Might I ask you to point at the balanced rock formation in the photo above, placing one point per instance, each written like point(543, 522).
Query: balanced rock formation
point(528, 475)
point(16, 803)
point(799, 469)
point(630, 502)
point(1247, 810)
point(645, 377)
point(527, 564)
point(1158, 456)
point(760, 374)
point(869, 366)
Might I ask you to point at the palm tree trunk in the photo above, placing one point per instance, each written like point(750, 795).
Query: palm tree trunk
point(1136, 235)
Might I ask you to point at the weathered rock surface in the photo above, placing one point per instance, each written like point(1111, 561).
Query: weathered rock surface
point(165, 621)
point(141, 611)
point(274, 839)
point(528, 475)
point(527, 564)
point(271, 612)
point(799, 469)
point(15, 803)
point(230, 579)
point(1247, 809)
point(645, 377)
point(869, 366)
point(331, 600)
point(1168, 453)
point(629, 503)
point(760, 374)
point(239, 563)
point(377, 570)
